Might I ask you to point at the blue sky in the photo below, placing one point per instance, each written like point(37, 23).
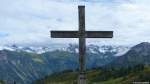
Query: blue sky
point(3, 35)
point(28, 22)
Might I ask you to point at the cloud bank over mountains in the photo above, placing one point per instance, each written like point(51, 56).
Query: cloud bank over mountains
point(28, 22)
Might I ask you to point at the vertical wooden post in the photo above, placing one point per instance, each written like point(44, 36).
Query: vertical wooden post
point(82, 45)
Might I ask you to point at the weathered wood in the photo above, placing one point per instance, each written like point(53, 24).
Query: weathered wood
point(64, 34)
point(99, 34)
point(82, 47)
point(76, 34)
point(81, 13)
point(82, 34)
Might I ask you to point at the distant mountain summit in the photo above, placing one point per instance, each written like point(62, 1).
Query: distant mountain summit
point(26, 64)
point(32, 49)
point(139, 54)
point(73, 48)
point(142, 49)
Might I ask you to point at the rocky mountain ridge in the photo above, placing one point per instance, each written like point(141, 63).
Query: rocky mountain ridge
point(138, 54)
point(25, 65)
point(120, 50)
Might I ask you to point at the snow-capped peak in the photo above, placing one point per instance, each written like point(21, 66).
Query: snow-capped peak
point(117, 50)
point(30, 49)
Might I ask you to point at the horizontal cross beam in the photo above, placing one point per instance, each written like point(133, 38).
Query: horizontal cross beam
point(86, 34)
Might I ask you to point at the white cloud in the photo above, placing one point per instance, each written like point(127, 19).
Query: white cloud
point(29, 21)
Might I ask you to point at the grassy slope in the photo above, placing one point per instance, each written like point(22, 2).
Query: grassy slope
point(1, 82)
point(139, 76)
point(93, 77)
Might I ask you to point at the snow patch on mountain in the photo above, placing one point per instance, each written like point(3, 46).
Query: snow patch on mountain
point(118, 50)
point(102, 49)
point(122, 50)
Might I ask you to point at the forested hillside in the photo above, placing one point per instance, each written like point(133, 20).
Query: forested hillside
point(139, 73)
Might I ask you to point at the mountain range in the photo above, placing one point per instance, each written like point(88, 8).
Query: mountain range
point(26, 64)
point(71, 48)
point(139, 54)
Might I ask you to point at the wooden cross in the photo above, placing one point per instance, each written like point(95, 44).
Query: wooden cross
point(82, 34)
